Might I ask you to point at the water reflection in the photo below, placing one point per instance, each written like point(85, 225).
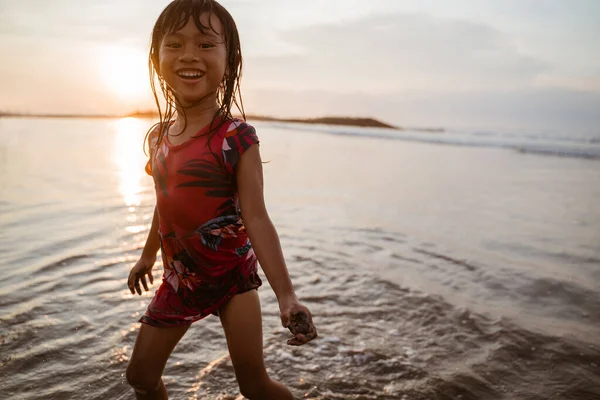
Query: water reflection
point(130, 158)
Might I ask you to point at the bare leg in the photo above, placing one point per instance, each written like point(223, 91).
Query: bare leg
point(152, 349)
point(242, 322)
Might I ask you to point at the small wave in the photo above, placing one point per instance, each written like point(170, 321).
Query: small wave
point(464, 263)
point(559, 146)
point(567, 298)
point(560, 152)
point(61, 263)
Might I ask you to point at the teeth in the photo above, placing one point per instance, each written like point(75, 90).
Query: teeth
point(189, 74)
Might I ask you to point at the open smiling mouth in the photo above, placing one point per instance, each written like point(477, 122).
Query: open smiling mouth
point(190, 74)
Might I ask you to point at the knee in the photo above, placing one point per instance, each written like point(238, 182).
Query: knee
point(254, 388)
point(140, 380)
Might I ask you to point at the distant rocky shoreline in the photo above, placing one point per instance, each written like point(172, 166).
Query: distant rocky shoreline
point(347, 121)
point(343, 121)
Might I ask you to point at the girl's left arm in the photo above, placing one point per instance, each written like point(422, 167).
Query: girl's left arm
point(265, 240)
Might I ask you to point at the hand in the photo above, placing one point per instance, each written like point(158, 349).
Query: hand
point(138, 273)
point(298, 319)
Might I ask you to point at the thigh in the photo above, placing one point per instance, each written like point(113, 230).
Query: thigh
point(152, 349)
point(242, 322)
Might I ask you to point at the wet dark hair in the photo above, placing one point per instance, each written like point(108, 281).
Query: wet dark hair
point(173, 18)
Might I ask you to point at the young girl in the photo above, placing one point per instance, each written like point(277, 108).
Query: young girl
point(210, 220)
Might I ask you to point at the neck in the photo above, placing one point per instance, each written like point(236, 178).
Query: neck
point(202, 111)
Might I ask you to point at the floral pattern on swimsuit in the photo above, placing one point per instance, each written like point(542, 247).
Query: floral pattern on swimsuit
point(207, 256)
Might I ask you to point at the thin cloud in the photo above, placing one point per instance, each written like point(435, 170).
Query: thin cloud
point(405, 53)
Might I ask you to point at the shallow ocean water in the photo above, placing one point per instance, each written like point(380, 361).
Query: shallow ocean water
point(433, 271)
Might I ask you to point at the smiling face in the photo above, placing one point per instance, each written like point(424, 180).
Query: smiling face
point(195, 59)
point(193, 62)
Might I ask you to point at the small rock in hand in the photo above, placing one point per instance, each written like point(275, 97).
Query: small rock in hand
point(299, 323)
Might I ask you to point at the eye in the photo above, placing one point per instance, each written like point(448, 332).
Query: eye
point(173, 45)
point(206, 45)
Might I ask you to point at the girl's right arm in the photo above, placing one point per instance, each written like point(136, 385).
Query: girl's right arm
point(144, 265)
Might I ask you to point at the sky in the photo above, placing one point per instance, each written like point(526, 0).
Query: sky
point(514, 64)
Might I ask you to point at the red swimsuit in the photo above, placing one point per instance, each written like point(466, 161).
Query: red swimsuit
point(207, 256)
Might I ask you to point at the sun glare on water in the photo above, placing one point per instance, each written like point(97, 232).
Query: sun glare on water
point(124, 72)
point(129, 158)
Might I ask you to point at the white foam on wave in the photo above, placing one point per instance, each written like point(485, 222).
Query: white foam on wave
point(551, 144)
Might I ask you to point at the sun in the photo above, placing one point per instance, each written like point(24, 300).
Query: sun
point(124, 72)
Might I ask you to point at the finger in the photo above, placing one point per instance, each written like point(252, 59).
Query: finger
point(143, 279)
point(313, 329)
point(130, 284)
point(285, 319)
point(301, 338)
point(312, 335)
point(150, 277)
point(138, 289)
point(305, 338)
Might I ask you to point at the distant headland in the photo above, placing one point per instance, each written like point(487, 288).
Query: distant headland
point(347, 121)
point(331, 120)
point(344, 121)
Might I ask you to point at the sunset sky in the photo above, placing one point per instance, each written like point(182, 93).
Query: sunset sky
point(511, 64)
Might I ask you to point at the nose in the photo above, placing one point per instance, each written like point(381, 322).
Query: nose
point(189, 55)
